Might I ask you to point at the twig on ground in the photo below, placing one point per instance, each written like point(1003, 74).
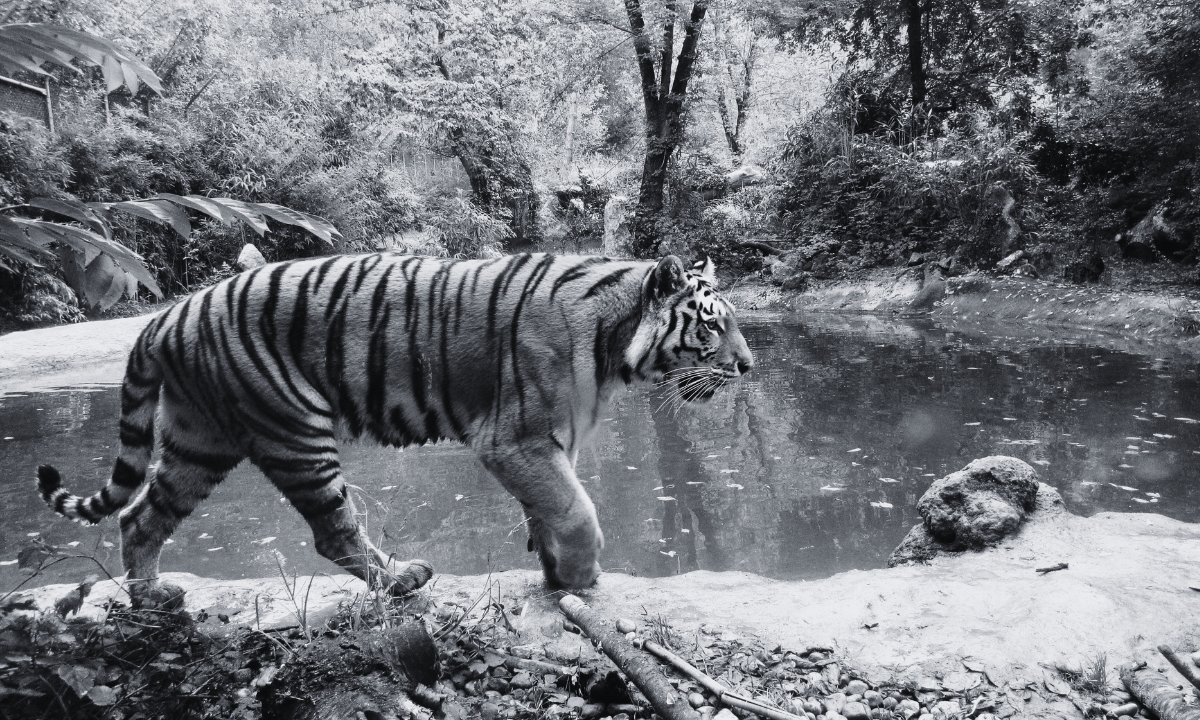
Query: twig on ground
point(723, 693)
point(642, 670)
point(1052, 568)
point(1185, 668)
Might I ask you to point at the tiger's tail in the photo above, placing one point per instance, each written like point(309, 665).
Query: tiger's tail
point(139, 400)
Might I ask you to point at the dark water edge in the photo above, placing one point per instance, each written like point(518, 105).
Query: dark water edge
point(811, 466)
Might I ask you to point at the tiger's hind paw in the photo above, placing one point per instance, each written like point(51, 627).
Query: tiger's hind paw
point(411, 577)
point(156, 596)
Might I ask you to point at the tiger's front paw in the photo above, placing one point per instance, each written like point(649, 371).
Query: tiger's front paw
point(152, 595)
point(410, 578)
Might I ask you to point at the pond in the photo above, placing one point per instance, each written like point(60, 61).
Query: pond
point(811, 466)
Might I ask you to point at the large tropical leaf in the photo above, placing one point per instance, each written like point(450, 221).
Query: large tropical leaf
point(31, 46)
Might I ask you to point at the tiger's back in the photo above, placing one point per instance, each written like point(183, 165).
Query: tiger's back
point(514, 356)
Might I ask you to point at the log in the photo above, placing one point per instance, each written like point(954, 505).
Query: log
point(1185, 668)
point(638, 667)
point(762, 247)
point(724, 694)
point(1156, 693)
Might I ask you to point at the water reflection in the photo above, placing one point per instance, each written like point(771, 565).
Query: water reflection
point(811, 466)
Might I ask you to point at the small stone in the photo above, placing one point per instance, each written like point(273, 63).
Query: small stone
point(626, 626)
point(575, 702)
point(250, 257)
point(947, 708)
point(489, 711)
point(724, 714)
point(985, 716)
point(814, 706)
point(835, 703)
point(696, 700)
point(522, 680)
point(889, 703)
point(856, 711)
point(856, 687)
point(627, 709)
point(908, 708)
point(620, 716)
point(706, 712)
point(872, 699)
point(925, 716)
point(881, 714)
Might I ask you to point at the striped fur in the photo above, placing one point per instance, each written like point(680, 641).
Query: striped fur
point(514, 356)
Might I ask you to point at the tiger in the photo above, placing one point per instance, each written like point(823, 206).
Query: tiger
point(514, 356)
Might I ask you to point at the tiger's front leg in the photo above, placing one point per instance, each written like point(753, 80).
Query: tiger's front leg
point(563, 526)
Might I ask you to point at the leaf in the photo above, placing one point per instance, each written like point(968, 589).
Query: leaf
point(84, 241)
point(75, 210)
point(102, 695)
point(1056, 686)
point(104, 282)
point(243, 212)
point(199, 204)
point(34, 554)
point(317, 226)
point(159, 211)
point(31, 45)
point(79, 678)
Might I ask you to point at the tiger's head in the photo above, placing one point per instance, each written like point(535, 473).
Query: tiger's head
point(688, 333)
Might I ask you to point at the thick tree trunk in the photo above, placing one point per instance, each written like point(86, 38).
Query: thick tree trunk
point(916, 63)
point(663, 98)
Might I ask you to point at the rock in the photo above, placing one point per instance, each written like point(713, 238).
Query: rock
point(1010, 261)
point(618, 236)
point(249, 258)
point(696, 700)
point(725, 714)
point(522, 681)
point(489, 711)
point(823, 266)
point(1154, 237)
point(946, 708)
point(835, 703)
point(929, 294)
point(908, 708)
point(814, 706)
point(889, 703)
point(872, 699)
point(856, 711)
point(746, 175)
point(856, 687)
point(626, 626)
point(797, 282)
point(928, 684)
point(1196, 658)
point(916, 259)
point(1085, 271)
point(971, 509)
point(1026, 270)
point(956, 268)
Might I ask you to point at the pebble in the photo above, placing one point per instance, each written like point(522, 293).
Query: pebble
point(625, 708)
point(696, 700)
point(706, 712)
point(889, 703)
point(856, 711)
point(489, 711)
point(814, 706)
point(881, 714)
point(835, 703)
point(626, 626)
point(522, 681)
point(591, 710)
point(908, 708)
point(575, 702)
point(949, 708)
point(872, 699)
point(925, 716)
point(856, 687)
point(1128, 709)
point(723, 714)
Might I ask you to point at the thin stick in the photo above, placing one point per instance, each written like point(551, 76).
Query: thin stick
point(1184, 667)
point(723, 693)
point(1052, 568)
point(642, 670)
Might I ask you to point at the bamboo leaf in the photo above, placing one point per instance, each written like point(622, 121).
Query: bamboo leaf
point(320, 227)
point(84, 241)
point(31, 45)
point(201, 204)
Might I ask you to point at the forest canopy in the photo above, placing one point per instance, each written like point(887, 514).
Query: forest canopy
point(861, 131)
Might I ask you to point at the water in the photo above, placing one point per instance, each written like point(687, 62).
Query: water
point(811, 466)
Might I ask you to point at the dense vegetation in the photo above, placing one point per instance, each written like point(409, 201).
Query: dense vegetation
point(874, 129)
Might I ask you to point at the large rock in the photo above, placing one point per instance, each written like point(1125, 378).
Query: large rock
point(971, 509)
point(746, 175)
point(618, 236)
point(250, 258)
point(1154, 237)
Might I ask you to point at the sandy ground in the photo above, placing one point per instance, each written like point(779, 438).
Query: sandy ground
point(1125, 591)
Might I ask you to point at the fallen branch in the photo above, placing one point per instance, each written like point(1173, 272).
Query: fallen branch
point(1052, 568)
point(724, 694)
point(1185, 668)
point(762, 247)
point(642, 670)
point(1156, 693)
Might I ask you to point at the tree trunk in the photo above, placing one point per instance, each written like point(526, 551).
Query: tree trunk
point(916, 64)
point(569, 141)
point(663, 98)
point(728, 124)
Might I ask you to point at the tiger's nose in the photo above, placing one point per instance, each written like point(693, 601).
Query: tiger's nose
point(745, 366)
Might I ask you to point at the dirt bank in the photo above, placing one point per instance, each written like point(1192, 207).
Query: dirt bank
point(1126, 590)
point(1126, 318)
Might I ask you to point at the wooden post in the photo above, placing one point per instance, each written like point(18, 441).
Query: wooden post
point(1156, 693)
point(49, 108)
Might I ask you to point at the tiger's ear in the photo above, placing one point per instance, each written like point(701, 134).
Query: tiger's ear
point(666, 279)
point(705, 268)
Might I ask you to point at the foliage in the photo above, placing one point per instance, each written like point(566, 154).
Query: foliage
point(29, 46)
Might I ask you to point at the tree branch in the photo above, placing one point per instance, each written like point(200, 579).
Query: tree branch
point(667, 51)
point(645, 60)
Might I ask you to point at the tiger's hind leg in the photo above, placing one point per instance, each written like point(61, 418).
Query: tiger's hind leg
point(194, 461)
point(313, 483)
